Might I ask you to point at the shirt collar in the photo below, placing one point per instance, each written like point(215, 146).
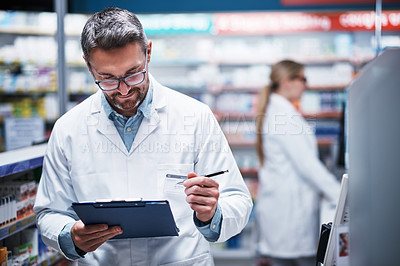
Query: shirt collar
point(144, 107)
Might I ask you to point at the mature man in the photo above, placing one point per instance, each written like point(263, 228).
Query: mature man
point(121, 142)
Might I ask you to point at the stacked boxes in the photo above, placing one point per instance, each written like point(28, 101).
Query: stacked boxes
point(8, 209)
point(16, 200)
point(26, 248)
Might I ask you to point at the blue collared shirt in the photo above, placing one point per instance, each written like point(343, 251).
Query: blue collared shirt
point(127, 129)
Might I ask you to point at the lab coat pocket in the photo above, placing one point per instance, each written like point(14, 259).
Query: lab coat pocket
point(100, 186)
point(174, 192)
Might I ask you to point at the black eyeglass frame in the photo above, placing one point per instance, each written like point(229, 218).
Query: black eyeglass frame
point(143, 72)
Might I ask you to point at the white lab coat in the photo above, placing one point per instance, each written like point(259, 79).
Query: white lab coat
point(292, 180)
point(87, 160)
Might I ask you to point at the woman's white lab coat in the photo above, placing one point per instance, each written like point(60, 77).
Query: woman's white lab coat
point(292, 181)
point(87, 160)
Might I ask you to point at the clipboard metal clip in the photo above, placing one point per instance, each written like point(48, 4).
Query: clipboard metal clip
point(119, 203)
point(119, 199)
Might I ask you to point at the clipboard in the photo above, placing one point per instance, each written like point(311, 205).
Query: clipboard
point(139, 218)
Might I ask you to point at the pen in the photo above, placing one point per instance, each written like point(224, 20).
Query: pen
point(184, 177)
point(217, 173)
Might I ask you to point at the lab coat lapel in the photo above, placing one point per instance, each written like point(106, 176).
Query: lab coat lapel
point(146, 128)
point(105, 126)
point(149, 125)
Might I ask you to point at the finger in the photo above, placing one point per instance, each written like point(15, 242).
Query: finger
point(201, 200)
point(191, 174)
point(80, 231)
point(83, 235)
point(202, 195)
point(100, 241)
point(93, 241)
point(100, 238)
point(92, 228)
point(111, 232)
point(201, 181)
point(202, 191)
point(93, 247)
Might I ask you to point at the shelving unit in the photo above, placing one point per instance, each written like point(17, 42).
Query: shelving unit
point(13, 164)
point(20, 160)
point(51, 259)
point(28, 56)
point(17, 226)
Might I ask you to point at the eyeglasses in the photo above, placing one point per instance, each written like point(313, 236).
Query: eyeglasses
point(113, 84)
point(301, 78)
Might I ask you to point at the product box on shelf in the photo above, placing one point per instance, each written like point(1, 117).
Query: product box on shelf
point(3, 256)
point(8, 209)
point(22, 207)
point(19, 188)
point(17, 200)
point(27, 248)
point(30, 238)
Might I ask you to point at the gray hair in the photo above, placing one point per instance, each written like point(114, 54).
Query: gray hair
point(112, 28)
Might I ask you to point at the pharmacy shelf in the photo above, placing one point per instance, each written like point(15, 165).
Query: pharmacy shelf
point(327, 88)
point(256, 90)
point(324, 114)
point(20, 160)
point(241, 143)
point(52, 259)
point(20, 93)
point(27, 31)
point(249, 171)
point(231, 88)
point(81, 93)
point(316, 60)
point(189, 90)
point(44, 64)
point(154, 63)
point(237, 115)
point(33, 31)
point(178, 63)
point(322, 141)
point(181, 61)
point(17, 226)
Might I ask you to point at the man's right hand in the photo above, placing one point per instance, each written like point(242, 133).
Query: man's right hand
point(89, 237)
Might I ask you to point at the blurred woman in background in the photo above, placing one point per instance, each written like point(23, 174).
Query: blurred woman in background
point(292, 178)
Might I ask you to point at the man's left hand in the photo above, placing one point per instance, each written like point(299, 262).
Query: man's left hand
point(202, 195)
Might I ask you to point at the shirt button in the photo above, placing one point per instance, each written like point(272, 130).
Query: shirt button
point(213, 227)
point(128, 129)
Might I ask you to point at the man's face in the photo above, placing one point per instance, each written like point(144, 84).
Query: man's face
point(120, 63)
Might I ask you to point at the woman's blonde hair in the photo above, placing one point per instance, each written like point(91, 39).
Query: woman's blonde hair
point(279, 71)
